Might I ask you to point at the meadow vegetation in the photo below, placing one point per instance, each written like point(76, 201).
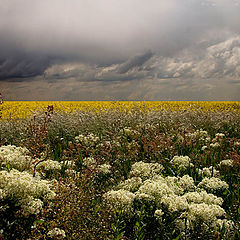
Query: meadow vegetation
point(167, 170)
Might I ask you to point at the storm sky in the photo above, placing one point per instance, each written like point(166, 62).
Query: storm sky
point(120, 49)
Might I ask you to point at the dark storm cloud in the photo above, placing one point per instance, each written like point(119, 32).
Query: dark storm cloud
point(135, 68)
point(137, 61)
point(106, 32)
point(21, 66)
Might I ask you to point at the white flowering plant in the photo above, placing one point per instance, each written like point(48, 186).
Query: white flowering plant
point(57, 234)
point(179, 205)
point(22, 197)
point(12, 156)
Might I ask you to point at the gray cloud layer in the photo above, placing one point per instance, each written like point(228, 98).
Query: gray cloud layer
point(221, 60)
point(120, 41)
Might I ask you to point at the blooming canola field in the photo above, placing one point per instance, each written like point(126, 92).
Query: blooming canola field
point(22, 109)
point(120, 170)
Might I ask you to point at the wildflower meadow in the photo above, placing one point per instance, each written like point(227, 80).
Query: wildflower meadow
point(120, 170)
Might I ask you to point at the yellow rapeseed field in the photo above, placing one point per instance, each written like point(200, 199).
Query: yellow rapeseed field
point(23, 109)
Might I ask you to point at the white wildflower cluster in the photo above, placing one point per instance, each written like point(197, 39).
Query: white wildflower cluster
point(15, 157)
point(215, 145)
point(104, 168)
point(213, 184)
point(179, 195)
point(200, 135)
point(120, 200)
point(145, 170)
point(203, 197)
point(49, 165)
point(186, 183)
point(189, 204)
point(31, 206)
point(161, 188)
point(226, 163)
point(175, 203)
point(208, 172)
point(24, 190)
point(89, 140)
point(57, 233)
point(131, 184)
point(181, 162)
point(143, 197)
point(156, 188)
point(219, 135)
point(173, 183)
point(208, 213)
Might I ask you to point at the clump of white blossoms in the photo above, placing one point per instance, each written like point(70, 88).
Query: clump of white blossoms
point(161, 187)
point(26, 191)
point(142, 197)
point(120, 200)
point(203, 197)
point(219, 135)
point(131, 184)
point(90, 139)
point(57, 233)
point(208, 172)
point(207, 213)
point(175, 203)
point(186, 183)
point(30, 205)
point(215, 145)
point(15, 157)
point(104, 169)
point(145, 170)
point(226, 163)
point(157, 188)
point(48, 165)
point(180, 196)
point(181, 162)
point(213, 184)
